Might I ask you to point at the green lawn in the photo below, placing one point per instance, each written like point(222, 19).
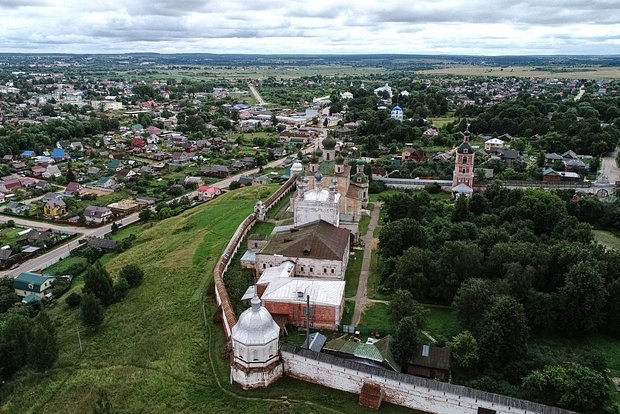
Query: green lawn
point(352, 274)
point(376, 317)
point(607, 239)
point(60, 268)
point(441, 122)
point(9, 235)
point(374, 197)
point(153, 353)
point(364, 222)
point(441, 323)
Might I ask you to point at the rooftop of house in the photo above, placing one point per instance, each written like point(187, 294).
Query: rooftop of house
point(318, 240)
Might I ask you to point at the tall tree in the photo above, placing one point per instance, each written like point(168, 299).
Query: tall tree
point(98, 282)
point(91, 311)
point(503, 333)
point(42, 348)
point(582, 299)
point(406, 340)
point(471, 301)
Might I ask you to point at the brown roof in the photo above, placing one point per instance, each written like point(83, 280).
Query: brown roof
point(318, 240)
point(438, 358)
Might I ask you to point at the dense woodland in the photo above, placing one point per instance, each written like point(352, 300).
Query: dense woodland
point(512, 263)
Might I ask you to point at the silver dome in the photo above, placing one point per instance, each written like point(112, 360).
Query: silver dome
point(255, 326)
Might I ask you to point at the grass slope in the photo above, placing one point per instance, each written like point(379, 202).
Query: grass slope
point(152, 353)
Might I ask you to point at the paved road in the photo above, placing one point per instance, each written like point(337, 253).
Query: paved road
point(63, 251)
point(259, 98)
point(609, 168)
point(361, 297)
point(60, 252)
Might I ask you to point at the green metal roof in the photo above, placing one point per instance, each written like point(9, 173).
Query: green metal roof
point(27, 279)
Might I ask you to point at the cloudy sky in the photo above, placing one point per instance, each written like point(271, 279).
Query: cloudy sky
point(487, 27)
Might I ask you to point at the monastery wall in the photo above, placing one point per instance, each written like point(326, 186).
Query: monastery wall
point(229, 319)
point(401, 389)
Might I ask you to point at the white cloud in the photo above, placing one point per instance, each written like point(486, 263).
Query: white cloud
point(338, 26)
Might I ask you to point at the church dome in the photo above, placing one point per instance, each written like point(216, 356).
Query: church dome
point(305, 160)
point(360, 177)
point(397, 108)
point(318, 177)
point(255, 326)
point(314, 159)
point(318, 152)
point(329, 143)
point(339, 159)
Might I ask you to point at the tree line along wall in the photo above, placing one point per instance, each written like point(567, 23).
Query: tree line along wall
point(402, 389)
point(229, 319)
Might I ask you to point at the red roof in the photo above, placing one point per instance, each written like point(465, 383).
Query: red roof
point(208, 188)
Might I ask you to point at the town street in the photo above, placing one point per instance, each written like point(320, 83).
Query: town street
point(60, 252)
point(259, 99)
point(609, 168)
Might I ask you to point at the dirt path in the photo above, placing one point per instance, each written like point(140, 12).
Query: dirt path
point(609, 169)
point(259, 98)
point(361, 298)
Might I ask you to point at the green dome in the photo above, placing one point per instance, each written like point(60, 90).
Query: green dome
point(318, 152)
point(339, 159)
point(329, 143)
point(360, 178)
point(305, 160)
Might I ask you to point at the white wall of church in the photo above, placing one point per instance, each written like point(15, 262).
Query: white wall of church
point(305, 266)
point(309, 211)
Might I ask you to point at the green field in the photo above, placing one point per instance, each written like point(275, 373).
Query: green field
point(441, 323)
point(153, 353)
point(376, 317)
point(9, 235)
point(607, 239)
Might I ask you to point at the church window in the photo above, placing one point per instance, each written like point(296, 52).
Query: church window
point(464, 150)
point(264, 266)
point(302, 268)
point(332, 270)
point(270, 265)
point(255, 355)
point(464, 160)
point(311, 270)
point(324, 270)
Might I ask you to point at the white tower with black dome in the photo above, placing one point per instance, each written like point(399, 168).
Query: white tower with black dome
point(255, 360)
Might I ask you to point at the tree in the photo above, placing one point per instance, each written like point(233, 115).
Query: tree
point(114, 228)
point(405, 340)
point(464, 350)
point(120, 288)
point(503, 333)
point(73, 300)
point(14, 339)
point(99, 283)
point(133, 274)
point(42, 348)
point(461, 209)
point(582, 299)
point(397, 236)
point(471, 301)
point(234, 185)
point(91, 311)
point(573, 386)
point(402, 306)
point(145, 214)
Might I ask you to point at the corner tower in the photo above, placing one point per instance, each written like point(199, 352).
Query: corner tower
point(256, 358)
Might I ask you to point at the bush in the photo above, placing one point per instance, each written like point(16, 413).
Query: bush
point(59, 287)
point(120, 288)
point(234, 185)
point(376, 187)
point(73, 300)
point(132, 274)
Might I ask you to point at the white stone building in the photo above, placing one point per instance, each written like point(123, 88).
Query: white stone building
point(316, 204)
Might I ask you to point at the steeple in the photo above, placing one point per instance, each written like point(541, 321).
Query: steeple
point(255, 303)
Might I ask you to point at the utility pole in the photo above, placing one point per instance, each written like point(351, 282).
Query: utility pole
point(79, 340)
point(308, 321)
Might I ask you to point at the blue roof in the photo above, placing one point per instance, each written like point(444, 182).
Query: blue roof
point(58, 153)
point(28, 153)
point(397, 108)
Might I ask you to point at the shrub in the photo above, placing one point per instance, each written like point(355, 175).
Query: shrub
point(73, 300)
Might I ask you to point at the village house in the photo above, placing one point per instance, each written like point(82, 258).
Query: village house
point(412, 154)
point(33, 286)
point(208, 192)
point(218, 171)
point(54, 208)
point(51, 171)
point(493, 144)
point(430, 362)
point(555, 177)
point(97, 214)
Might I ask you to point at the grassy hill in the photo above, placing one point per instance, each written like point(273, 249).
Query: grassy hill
point(153, 353)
